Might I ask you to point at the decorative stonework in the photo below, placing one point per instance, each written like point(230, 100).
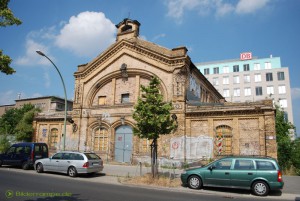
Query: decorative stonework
point(78, 93)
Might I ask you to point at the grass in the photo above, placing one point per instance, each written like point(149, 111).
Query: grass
point(147, 179)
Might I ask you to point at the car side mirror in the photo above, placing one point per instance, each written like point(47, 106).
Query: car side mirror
point(211, 167)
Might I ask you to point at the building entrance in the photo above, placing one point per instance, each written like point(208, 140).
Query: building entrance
point(123, 144)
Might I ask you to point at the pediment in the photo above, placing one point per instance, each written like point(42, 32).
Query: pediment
point(137, 48)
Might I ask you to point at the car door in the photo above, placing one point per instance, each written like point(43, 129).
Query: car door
point(52, 163)
point(9, 156)
point(243, 173)
point(219, 173)
point(19, 156)
point(63, 165)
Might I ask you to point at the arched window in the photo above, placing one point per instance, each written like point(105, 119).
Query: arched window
point(223, 140)
point(101, 139)
point(53, 138)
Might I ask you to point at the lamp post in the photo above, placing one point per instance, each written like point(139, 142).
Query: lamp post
point(62, 80)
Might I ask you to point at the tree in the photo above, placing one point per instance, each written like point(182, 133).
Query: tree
point(7, 18)
point(295, 156)
point(24, 128)
point(152, 117)
point(4, 143)
point(284, 142)
point(18, 122)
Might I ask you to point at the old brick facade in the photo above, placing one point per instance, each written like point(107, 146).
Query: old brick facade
point(107, 88)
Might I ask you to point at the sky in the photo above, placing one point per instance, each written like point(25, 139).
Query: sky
point(74, 32)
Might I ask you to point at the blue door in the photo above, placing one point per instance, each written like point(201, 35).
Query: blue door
point(123, 144)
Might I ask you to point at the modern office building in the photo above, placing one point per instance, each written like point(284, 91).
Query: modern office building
point(250, 79)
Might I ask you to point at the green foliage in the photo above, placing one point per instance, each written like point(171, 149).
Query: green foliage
point(18, 122)
point(7, 18)
point(295, 155)
point(152, 114)
point(24, 128)
point(4, 143)
point(284, 142)
point(4, 64)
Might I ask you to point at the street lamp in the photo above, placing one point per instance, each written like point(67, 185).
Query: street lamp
point(62, 80)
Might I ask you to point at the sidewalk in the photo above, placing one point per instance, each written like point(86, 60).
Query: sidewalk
point(112, 174)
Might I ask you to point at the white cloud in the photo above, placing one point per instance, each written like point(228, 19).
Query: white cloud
point(87, 34)
point(7, 97)
point(31, 57)
point(295, 93)
point(177, 8)
point(155, 38)
point(250, 6)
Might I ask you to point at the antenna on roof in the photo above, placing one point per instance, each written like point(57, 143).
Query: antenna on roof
point(19, 96)
point(128, 15)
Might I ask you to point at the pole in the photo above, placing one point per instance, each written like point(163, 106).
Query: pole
point(65, 92)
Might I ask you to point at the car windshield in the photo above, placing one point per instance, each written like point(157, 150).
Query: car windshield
point(92, 156)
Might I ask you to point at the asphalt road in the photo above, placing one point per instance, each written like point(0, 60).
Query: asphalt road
point(27, 185)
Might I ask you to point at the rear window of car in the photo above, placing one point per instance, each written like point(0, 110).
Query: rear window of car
point(92, 156)
point(265, 165)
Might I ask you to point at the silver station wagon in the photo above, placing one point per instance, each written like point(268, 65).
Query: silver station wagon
point(71, 163)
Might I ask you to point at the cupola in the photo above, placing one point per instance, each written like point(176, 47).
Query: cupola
point(128, 29)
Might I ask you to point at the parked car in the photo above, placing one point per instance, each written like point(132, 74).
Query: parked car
point(71, 163)
point(260, 174)
point(24, 154)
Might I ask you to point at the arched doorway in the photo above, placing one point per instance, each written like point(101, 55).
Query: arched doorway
point(123, 144)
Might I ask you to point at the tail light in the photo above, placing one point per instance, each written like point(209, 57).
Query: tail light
point(86, 165)
point(32, 155)
point(279, 176)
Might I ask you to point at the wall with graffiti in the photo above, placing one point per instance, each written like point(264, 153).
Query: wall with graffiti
point(196, 147)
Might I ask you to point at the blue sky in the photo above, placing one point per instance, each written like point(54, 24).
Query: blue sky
point(73, 32)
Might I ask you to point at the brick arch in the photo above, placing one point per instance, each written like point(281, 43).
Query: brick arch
point(117, 75)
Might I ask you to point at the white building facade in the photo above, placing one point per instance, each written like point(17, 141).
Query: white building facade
point(250, 79)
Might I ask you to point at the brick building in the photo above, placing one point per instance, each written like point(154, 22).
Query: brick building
point(108, 87)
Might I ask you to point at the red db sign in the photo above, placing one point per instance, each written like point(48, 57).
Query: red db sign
point(246, 55)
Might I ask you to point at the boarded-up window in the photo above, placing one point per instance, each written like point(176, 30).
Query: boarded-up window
point(53, 137)
point(101, 139)
point(223, 140)
point(101, 100)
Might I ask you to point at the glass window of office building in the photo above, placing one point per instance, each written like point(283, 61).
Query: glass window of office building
point(270, 90)
point(281, 89)
point(257, 77)
point(247, 91)
point(247, 78)
point(226, 80)
point(268, 65)
point(280, 75)
point(257, 66)
point(225, 69)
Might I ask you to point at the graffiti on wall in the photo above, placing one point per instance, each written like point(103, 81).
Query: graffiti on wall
point(194, 147)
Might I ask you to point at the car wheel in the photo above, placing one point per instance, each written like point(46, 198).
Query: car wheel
point(260, 188)
point(39, 168)
point(25, 166)
point(72, 172)
point(194, 182)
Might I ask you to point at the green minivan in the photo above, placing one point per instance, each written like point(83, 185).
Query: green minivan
point(260, 174)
